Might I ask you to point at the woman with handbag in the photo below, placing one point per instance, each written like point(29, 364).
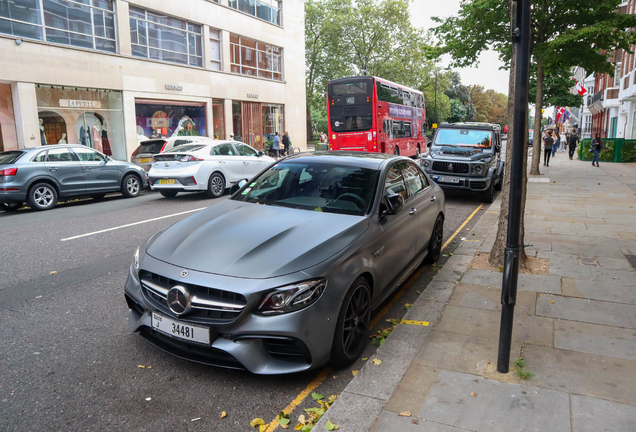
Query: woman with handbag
point(596, 148)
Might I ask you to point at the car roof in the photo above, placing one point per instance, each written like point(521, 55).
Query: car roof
point(348, 158)
point(53, 146)
point(207, 143)
point(470, 125)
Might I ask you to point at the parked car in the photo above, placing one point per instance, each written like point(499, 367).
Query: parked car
point(143, 154)
point(43, 175)
point(467, 156)
point(283, 276)
point(208, 166)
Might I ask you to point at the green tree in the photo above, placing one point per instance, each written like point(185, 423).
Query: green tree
point(462, 93)
point(457, 111)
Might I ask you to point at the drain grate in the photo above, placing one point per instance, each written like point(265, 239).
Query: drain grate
point(631, 259)
point(588, 262)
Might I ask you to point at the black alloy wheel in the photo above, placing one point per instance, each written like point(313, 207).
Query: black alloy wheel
point(42, 196)
point(10, 207)
point(489, 195)
point(499, 186)
point(436, 242)
point(353, 324)
point(168, 193)
point(130, 186)
point(216, 186)
point(396, 151)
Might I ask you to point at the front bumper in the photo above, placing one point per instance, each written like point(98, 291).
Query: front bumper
point(277, 344)
point(475, 184)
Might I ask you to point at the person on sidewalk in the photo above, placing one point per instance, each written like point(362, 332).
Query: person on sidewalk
point(548, 142)
point(555, 147)
point(275, 146)
point(286, 143)
point(597, 148)
point(573, 141)
point(564, 142)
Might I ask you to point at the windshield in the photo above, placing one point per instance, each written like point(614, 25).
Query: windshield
point(10, 157)
point(319, 187)
point(152, 147)
point(463, 137)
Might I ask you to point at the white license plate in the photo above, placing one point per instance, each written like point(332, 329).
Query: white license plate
point(447, 179)
point(180, 329)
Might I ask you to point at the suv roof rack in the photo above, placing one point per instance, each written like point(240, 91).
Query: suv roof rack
point(480, 125)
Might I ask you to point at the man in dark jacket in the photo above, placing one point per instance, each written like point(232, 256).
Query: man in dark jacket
point(572, 142)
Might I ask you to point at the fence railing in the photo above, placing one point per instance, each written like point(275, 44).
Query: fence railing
point(616, 150)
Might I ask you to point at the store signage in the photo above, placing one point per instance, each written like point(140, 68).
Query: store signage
point(70, 103)
point(252, 95)
point(174, 87)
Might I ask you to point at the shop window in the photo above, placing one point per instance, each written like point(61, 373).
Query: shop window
point(267, 10)
point(163, 37)
point(215, 49)
point(84, 23)
point(166, 119)
point(218, 118)
point(8, 133)
point(91, 117)
point(273, 120)
point(249, 57)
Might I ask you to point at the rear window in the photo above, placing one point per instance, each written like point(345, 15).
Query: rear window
point(152, 147)
point(10, 157)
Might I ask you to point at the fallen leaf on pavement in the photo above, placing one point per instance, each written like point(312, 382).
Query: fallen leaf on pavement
point(415, 421)
point(53, 272)
point(283, 421)
point(196, 419)
point(365, 359)
point(284, 426)
point(223, 414)
point(406, 414)
point(376, 361)
point(262, 428)
point(471, 350)
point(317, 396)
point(473, 394)
point(355, 372)
point(335, 376)
point(331, 426)
point(551, 301)
point(408, 306)
point(301, 419)
point(141, 367)
point(418, 292)
point(299, 426)
point(257, 422)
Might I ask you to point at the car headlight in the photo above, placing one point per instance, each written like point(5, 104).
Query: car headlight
point(477, 169)
point(426, 163)
point(135, 262)
point(291, 298)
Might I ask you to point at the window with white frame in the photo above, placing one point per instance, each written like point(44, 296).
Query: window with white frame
point(215, 49)
point(254, 58)
point(267, 10)
point(81, 23)
point(163, 37)
point(588, 124)
point(617, 75)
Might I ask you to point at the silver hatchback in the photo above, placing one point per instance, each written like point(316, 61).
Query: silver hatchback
point(41, 176)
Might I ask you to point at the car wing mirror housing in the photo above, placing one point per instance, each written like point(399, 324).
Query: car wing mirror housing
point(260, 153)
point(395, 203)
point(237, 186)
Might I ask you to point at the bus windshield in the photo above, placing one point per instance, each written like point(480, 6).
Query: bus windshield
point(463, 137)
point(351, 105)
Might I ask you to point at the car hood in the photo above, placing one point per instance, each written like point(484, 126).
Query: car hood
point(247, 240)
point(459, 153)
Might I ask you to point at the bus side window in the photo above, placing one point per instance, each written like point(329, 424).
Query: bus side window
point(407, 129)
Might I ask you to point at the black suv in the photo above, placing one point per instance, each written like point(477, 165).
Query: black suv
point(466, 156)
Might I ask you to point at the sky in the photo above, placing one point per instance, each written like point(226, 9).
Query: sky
point(486, 72)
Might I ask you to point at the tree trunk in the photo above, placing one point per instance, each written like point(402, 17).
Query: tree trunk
point(497, 252)
point(310, 129)
point(538, 116)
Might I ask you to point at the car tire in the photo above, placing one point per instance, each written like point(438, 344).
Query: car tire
point(216, 186)
point(355, 313)
point(10, 207)
point(131, 186)
point(489, 195)
point(396, 151)
point(499, 186)
point(168, 193)
point(42, 196)
point(436, 242)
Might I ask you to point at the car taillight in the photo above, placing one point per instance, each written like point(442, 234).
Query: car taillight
point(163, 146)
point(191, 159)
point(136, 150)
point(8, 172)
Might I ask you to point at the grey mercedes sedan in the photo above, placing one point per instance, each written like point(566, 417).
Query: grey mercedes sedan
point(283, 276)
point(43, 175)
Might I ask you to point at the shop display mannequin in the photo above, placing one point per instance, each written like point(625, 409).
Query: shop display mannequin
point(42, 136)
point(105, 141)
point(85, 136)
point(96, 136)
point(63, 139)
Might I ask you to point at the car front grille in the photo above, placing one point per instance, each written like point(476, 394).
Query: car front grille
point(451, 167)
point(209, 305)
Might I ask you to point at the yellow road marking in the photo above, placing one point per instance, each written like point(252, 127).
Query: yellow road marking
point(413, 322)
point(312, 385)
point(326, 371)
point(462, 226)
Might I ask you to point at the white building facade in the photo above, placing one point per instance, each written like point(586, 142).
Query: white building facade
point(109, 73)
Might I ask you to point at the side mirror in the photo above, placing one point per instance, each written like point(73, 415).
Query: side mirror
point(395, 203)
point(235, 187)
point(260, 153)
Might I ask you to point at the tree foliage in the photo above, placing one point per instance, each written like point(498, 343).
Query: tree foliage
point(490, 106)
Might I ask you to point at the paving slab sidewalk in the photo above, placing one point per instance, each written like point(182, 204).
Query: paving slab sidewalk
point(575, 327)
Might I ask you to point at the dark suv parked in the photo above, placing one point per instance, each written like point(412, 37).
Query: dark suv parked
point(466, 156)
point(40, 176)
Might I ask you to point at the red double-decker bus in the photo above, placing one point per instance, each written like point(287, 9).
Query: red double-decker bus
point(375, 115)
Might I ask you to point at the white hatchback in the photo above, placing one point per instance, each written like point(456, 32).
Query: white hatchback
point(210, 167)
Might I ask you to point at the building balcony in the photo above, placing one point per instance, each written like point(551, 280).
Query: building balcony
point(595, 104)
point(611, 97)
point(628, 89)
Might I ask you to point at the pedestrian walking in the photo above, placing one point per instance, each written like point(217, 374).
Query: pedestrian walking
point(548, 142)
point(572, 143)
point(556, 145)
point(323, 137)
point(276, 144)
point(597, 148)
point(564, 142)
point(231, 137)
point(286, 143)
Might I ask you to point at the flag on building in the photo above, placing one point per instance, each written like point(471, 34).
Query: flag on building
point(559, 115)
point(580, 89)
point(549, 121)
point(566, 114)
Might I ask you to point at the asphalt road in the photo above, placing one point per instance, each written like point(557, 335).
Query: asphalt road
point(68, 361)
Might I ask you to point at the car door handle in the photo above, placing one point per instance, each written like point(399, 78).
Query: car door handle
point(87, 169)
point(52, 169)
point(433, 199)
point(221, 162)
point(413, 211)
point(246, 163)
